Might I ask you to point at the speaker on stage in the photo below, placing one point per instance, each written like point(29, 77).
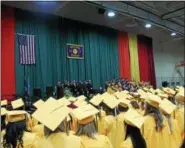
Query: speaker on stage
point(49, 91)
point(165, 84)
point(37, 92)
point(60, 92)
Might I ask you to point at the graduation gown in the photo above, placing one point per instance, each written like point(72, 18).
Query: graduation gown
point(31, 140)
point(62, 140)
point(153, 138)
point(175, 136)
point(120, 130)
point(101, 122)
point(127, 143)
point(110, 129)
point(179, 116)
point(100, 141)
point(39, 130)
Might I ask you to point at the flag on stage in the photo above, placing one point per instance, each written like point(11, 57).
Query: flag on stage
point(26, 49)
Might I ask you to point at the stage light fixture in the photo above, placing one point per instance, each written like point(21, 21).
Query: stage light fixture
point(173, 34)
point(148, 26)
point(111, 14)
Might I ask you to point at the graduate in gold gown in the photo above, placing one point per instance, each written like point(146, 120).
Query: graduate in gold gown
point(16, 135)
point(110, 104)
point(167, 109)
point(53, 115)
point(133, 122)
point(179, 113)
point(155, 128)
point(120, 127)
point(87, 128)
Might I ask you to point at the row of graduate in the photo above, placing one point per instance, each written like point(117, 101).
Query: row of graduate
point(106, 121)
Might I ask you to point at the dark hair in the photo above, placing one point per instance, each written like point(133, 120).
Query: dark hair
point(63, 127)
point(156, 114)
point(183, 144)
point(14, 134)
point(134, 104)
point(90, 129)
point(137, 139)
point(108, 110)
point(172, 99)
point(3, 125)
point(122, 109)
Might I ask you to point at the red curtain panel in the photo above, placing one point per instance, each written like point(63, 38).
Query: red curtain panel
point(7, 53)
point(124, 57)
point(146, 60)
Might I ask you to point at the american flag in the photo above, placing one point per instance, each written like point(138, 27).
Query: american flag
point(26, 48)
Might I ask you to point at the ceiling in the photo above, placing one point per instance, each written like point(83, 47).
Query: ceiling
point(88, 12)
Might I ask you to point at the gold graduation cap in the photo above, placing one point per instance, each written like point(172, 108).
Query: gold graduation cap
point(105, 95)
point(167, 106)
point(125, 92)
point(96, 100)
point(169, 91)
point(124, 102)
point(135, 94)
point(64, 101)
point(4, 102)
point(17, 103)
point(163, 96)
point(180, 95)
point(81, 98)
point(51, 113)
point(72, 99)
point(132, 117)
point(120, 95)
point(38, 103)
point(129, 97)
point(85, 114)
point(159, 91)
point(3, 111)
point(153, 100)
point(152, 90)
point(80, 103)
point(111, 102)
point(15, 115)
point(145, 89)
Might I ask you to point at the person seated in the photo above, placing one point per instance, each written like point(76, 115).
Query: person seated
point(17, 135)
point(87, 128)
point(167, 108)
point(133, 137)
point(110, 104)
point(53, 115)
point(155, 128)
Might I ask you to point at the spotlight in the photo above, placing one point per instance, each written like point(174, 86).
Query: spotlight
point(148, 25)
point(111, 14)
point(173, 34)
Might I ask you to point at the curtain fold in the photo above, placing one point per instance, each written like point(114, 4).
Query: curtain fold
point(134, 62)
point(124, 56)
point(52, 65)
point(146, 61)
point(7, 52)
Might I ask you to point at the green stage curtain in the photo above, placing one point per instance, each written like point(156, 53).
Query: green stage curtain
point(100, 61)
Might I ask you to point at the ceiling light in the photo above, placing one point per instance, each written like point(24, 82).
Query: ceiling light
point(148, 25)
point(111, 14)
point(173, 34)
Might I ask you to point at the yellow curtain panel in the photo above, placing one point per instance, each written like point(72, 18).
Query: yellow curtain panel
point(134, 62)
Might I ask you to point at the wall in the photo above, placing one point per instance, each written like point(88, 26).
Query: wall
point(166, 55)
